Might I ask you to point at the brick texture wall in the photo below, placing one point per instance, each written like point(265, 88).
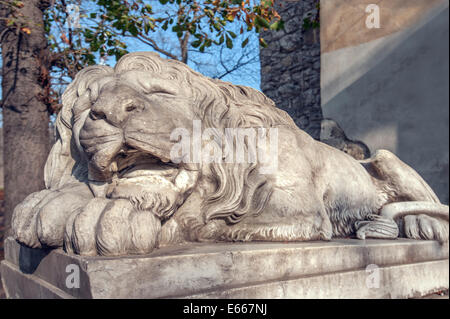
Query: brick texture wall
point(290, 66)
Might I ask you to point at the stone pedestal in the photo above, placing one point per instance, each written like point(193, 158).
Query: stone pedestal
point(337, 269)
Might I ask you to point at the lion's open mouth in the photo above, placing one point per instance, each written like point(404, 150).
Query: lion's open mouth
point(129, 163)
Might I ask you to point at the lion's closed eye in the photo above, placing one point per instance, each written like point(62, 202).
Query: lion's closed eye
point(157, 86)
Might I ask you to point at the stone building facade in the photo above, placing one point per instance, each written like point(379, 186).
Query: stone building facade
point(290, 65)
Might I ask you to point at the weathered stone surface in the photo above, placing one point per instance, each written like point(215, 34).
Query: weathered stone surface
point(334, 269)
point(397, 282)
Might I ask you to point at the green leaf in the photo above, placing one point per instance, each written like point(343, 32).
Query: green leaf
point(307, 24)
point(216, 26)
point(196, 43)
point(266, 3)
point(133, 30)
point(232, 34)
point(88, 34)
point(120, 53)
point(263, 42)
point(149, 26)
point(245, 42)
point(277, 25)
point(209, 13)
point(229, 42)
point(95, 46)
point(262, 22)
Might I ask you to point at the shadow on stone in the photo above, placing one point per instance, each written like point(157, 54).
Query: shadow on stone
point(30, 258)
point(332, 134)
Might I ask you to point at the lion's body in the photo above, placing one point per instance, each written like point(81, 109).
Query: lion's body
point(341, 192)
point(112, 170)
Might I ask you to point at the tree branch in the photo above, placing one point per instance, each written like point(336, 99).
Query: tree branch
point(153, 44)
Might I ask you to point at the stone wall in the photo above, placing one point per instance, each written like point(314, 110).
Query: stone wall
point(290, 66)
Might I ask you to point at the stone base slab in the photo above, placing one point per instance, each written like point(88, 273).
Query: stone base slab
point(344, 268)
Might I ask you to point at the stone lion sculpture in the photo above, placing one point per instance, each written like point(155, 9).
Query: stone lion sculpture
point(113, 187)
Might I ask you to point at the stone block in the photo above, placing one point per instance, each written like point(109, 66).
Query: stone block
point(400, 268)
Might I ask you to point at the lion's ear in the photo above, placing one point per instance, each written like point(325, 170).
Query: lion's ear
point(65, 163)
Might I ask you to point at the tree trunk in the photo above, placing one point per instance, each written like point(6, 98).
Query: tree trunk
point(184, 43)
point(25, 114)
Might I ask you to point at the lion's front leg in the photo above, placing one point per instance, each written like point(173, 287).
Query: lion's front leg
point(40, 219)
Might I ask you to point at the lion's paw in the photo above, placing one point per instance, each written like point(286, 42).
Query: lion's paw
point(24, 218)
point(40, 219)
point(377, 227)
point(80, 229)
point(111, 227)
point(426, 227)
